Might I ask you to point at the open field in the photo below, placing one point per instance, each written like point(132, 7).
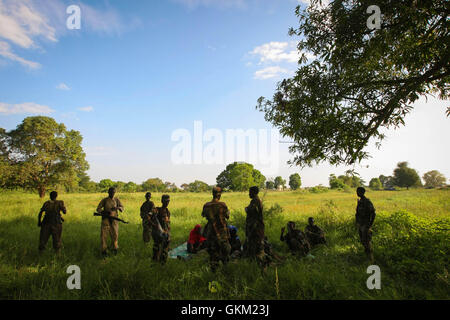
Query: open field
point(411, 246)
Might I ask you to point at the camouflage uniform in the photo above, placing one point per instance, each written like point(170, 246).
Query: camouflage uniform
point(109, 226)
point(315, 235)
point(297, 242)
point(365, 216)
point(217, 233)
point(160, 245)
point(51, 224)
point(146, 215)
point(254, 232)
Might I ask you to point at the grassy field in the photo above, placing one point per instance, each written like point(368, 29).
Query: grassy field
point(411, 246)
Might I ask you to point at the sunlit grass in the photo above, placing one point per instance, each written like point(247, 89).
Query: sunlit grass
point(337, 272)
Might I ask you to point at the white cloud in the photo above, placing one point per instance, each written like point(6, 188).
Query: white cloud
point(270, 72)
point(20, 22)
point(6, 52)
point(277, 52)
point(26, 23)
point(86, 109)
point(63, 86)
point(24, 108)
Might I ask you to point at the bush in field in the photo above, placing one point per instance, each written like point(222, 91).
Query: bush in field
point(318, 189)
point(335, 183)
point(375, 184)
point(411, 246)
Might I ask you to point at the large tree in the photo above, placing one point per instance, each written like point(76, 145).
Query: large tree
point(434, 179)
point(154, 185)
point(42, 153)
point(295, 181)
point(387, 182)
point(405, 176)
point(279, 182)
point(359, 81)
point(240, 176)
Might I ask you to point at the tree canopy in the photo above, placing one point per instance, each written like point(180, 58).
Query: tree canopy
point(405, 176)
point(359, 81)
point(434, 179)
point(240, 176)
point(295, 181)
point(42, 153)
point(279, 182)
point(375, 184)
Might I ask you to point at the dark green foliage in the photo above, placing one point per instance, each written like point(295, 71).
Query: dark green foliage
point(359, 82)
point(198, 186)
point(40, 154)
point(240, 176)
point(153, 185)
point(279, 182)
point(375, 184)
point(405, 176)
point(270, 185)
point(295, 181)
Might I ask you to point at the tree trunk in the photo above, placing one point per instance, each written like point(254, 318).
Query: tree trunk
point(41, 191)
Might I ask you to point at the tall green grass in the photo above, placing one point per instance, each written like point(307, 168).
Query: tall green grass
point(411, 243)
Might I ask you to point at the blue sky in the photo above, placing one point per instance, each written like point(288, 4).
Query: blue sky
point(137, 71)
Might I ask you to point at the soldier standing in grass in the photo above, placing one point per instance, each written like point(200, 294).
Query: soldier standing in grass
point(365, 216)
point(52, 223)
point(110, 205)
point(146, 215)
point(254, 229)
point(295, 239)
point(161, 231)
point(314, 234)
point(217, 234)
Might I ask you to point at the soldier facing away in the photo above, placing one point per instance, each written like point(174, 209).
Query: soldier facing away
point(110, 206)
point(365, 216)
point(52, 223)
point(314, 234)
point(147, 209)
point(295, 239)
point(254, 229)
point(217, 234)
point(161, 230)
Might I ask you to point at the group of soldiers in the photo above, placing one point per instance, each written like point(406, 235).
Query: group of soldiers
point(221, 239)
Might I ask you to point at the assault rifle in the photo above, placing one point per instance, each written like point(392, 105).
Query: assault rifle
point(159, 233)
point(106, 214)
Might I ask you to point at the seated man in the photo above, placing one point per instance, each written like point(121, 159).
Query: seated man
point(295, 239)
point(235, 242)
point(196, 241)
point(271, 254)
point(314, 234)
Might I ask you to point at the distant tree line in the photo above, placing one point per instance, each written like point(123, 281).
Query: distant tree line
point(41, 154)
point(403, 177)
